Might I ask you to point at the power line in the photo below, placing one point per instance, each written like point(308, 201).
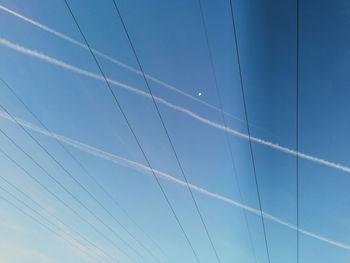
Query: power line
point(83, 167)
point(225, 125)
point(133, 133)
point(248, 130)
point(43, 225)
point(88, 192)
point(297, 130)
point(53, 194)
point(166, 132)
point(63, 202)
point(52, 214)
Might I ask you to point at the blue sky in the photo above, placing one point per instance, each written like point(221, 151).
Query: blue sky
point(43, 60)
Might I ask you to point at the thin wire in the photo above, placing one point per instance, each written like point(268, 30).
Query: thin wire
point(42, 224)
point(248, 130)
point(133, 133)
point(297, 131)
point(75, 180)
point(235, 174)
point(53, 194)
point(166, 132)
point(52, 214)
point(83, 167)
point(81, 186)
point(89, 193)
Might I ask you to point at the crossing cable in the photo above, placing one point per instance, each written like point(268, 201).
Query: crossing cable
point(297, 128)
point(248, 130)
point(64, 188)
point(74, 158)
point(81, 186)
point(44, 226)
point(88, 192)
point(53, 215)
point(235, 174)
point(134, 135)
point(167, 133)
point(55, 195)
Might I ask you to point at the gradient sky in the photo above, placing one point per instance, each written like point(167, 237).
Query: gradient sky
point(169, 39)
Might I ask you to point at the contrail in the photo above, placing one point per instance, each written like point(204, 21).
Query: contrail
point(129, 163)
point(170, 105)
point(115, 61)
point(140, 167)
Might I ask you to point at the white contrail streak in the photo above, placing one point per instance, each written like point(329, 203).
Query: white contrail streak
point(129, 163)
point(115, 61)
point(140, 167)
point(170, 105)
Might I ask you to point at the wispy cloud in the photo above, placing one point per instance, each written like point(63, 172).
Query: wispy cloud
point(170, 105)
point(88, 253)
point(14, 227)
point(143, 168)
point(60, 231)
point(115, 61)
point(15, 251)
point(18, 252)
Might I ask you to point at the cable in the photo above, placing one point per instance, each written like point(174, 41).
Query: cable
point(133, 133)
point(43, 225)
point(87, 191)
point(167, 133)
point(297, 132)
point(52, 214)
point(235, 174)
point(54, 195)
point(248, 130)
point(83, 167)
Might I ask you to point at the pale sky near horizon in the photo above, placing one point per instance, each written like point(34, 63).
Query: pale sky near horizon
point(44, 61)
